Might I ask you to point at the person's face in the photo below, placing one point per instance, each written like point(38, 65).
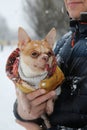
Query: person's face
point(75, 7)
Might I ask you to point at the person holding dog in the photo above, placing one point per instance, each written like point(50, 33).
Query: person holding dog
point(70, 108)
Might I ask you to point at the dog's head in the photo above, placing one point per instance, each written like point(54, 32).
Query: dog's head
point(37, 54)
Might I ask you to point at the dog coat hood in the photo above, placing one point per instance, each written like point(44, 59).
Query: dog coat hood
point(12, 72)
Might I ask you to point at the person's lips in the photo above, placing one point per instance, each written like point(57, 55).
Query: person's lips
point(73, 4)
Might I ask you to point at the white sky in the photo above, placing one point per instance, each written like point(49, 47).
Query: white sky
point(12, 11)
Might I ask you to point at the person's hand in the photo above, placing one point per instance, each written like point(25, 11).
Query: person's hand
point(38, 102)
point(28, 126)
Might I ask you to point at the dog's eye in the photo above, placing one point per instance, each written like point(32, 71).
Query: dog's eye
point(34, 54)
point(50, 53)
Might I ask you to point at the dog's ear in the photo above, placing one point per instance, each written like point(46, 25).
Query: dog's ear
point(51, 36)
point(23, 38)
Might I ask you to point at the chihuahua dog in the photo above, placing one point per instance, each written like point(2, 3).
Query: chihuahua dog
point(36, 59)
point(36, 62)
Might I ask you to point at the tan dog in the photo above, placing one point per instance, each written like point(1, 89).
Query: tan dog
point(36, 58)
point(37, 67)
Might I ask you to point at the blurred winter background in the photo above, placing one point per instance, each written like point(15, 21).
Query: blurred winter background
point(37, 17)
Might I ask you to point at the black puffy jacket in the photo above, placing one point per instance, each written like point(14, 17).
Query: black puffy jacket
point(71, 51)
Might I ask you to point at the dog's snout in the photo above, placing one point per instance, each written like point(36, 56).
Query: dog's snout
point(45, 57)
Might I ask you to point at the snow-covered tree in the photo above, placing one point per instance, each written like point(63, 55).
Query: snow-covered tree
point(42, 15)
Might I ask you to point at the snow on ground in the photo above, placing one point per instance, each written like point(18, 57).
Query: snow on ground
point(7, 95)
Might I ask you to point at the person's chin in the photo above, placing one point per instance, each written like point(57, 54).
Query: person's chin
point(74, 15)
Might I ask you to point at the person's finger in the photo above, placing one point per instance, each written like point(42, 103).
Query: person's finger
point(38, 110)
point(49, 106)
point(43, 98)
point(31, 96)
